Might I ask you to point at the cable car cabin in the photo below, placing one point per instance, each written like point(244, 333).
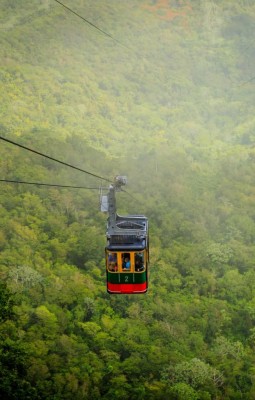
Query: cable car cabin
point(127, 255)
point(127, 249)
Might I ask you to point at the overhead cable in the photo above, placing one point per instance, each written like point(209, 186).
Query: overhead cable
point(91, 24)
point(48, 184)
point(137, 54)
point(246, 82)
point(53, 159)
point(119, 42)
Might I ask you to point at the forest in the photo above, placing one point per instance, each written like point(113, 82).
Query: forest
point(161, 91)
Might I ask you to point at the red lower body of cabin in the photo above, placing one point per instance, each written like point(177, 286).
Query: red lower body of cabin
point(127, 288)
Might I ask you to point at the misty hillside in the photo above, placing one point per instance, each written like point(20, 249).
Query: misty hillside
point(161, 91)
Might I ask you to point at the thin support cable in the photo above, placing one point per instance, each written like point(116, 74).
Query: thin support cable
point(48, 184)
point(53, 159)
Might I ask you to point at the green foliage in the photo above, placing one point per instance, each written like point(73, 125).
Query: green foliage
point(182, 129)
point(6, 303)
point(182, 391)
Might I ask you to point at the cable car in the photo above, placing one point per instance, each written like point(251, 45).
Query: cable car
point(127, 249)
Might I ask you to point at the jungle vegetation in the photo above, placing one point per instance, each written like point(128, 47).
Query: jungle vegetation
point(167, 100)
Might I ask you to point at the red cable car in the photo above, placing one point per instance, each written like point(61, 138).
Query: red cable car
point(127, 249)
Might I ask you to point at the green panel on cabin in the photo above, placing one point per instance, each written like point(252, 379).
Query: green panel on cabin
point(140, 277)
point(125, 277)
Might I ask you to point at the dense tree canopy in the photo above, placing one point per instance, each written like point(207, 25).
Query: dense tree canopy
point(170, 104)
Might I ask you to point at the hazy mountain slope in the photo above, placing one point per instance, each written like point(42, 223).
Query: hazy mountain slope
point(172, 107)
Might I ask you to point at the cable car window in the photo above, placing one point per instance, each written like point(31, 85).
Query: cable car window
point(112, 262)
point(139, 262)
point(126, 262)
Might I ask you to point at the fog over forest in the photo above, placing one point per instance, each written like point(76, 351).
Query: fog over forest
point(161, 91)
